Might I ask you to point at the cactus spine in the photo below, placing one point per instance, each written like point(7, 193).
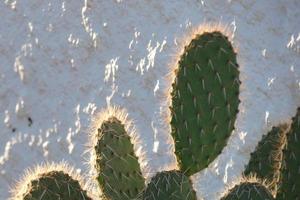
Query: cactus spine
point(204, 100)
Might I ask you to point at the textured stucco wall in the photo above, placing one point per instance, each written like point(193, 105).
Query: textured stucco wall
point(61, 61)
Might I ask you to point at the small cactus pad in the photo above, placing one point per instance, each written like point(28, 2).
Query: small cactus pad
point(205, 99)
point(54, 185)
point(289, 187)
point(119, 173)
point(265, 161)
point(249, 191)
point(171, 185)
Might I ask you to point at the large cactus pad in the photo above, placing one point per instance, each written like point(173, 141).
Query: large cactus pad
point(204, 100)
point(119, 173)
point(171, 185)
point(55, 185)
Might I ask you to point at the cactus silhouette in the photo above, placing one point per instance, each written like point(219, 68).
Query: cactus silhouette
point(203, 110)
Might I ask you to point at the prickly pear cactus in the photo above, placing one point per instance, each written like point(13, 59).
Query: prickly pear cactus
point(169, 185)
point(265, 161)
point(265, 165)
point(204, 100)
point(249, 191)
point(203, 112)
point(119, 173)
point(50, 182)
point(204, 106)
point(276, 161)
point(290, 172)
point(55, 185)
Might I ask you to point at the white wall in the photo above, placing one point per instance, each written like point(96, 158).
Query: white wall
point(62, 61)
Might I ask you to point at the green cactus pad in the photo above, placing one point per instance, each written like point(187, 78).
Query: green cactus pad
point(289, 187)
point(249, 191)
point(171, 185)
point(265, 161)
point(205, 99)
point(119, 173)
point(55, 185)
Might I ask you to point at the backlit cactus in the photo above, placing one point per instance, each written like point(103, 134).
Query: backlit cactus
point(55, 185)
point(204, 106)
point(289, 187)
point(249, 191)
point(51, 182)
point(266, 160)
point(119, 173)
point(203, 112)
point(203, 109)
point(276, 160)
point(204, 100)
point(169, 185)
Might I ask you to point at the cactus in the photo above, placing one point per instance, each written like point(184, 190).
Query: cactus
point(249, 191)
point(169, 185)
point(50, 182)
point(204, 100)
point(119, 173)
point(203, 112)
point(55, 185)
point(277, 161)
point(289, 187)
point(204, 107)
point(265, 161)
point(264, 164)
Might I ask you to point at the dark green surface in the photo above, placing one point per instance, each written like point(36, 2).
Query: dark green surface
point(119, 173)
point(169, 185)
point(204, 100)
point(289, 187)
point(265, 161)
point(55, 185)
point(249, 191)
